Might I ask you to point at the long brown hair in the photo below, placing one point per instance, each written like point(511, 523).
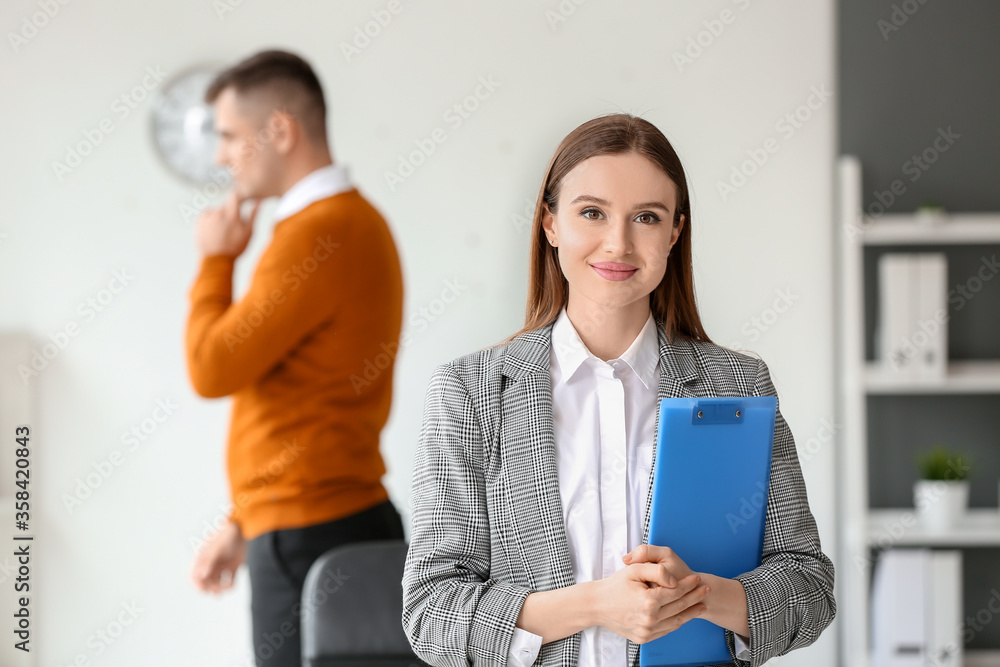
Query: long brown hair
point(672, 302)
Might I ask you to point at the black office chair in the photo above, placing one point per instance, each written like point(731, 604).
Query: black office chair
point(352, 607)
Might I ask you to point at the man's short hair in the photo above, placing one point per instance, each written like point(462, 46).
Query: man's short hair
point(277, 79)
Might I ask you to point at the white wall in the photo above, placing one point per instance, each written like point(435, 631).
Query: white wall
point(454, 219)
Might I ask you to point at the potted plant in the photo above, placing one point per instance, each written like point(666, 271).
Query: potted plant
point(941, 495)
point(930, 213)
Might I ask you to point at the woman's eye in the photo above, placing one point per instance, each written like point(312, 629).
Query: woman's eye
point(588, 211)
point(649, 218)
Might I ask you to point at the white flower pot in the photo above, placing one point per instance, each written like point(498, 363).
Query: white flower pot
point(940, 504)
point(930, 216)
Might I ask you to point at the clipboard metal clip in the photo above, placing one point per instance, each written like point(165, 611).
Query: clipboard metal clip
point(717, 411)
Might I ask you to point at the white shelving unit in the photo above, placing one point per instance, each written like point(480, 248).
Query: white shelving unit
point(981, 528)
point(862, 527)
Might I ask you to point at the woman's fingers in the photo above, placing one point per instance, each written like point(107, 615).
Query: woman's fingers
point(690, 592)
point(648, 553)
point(674, 621)
point(654, 573)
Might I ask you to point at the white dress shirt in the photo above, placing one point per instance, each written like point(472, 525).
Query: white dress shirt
point(604, 414)
point(318, 184)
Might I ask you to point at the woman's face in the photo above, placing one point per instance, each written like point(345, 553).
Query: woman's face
point(613, 228)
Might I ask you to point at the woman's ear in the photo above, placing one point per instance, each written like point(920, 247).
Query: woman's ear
point(548, 223)
point(675, 233)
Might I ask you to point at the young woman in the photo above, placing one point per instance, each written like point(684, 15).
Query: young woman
point(530, 499)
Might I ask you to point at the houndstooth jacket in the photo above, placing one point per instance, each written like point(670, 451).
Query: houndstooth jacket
point(486, 523)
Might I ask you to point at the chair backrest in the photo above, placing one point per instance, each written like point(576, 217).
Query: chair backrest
point(352, 607)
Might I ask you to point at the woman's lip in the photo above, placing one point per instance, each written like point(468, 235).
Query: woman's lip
point(614, 266)
point(613, 275)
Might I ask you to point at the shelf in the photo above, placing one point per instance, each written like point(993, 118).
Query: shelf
point(901, 527)
point(961, 377)
point(862, 528)
point(958, 228)
point(983, 657)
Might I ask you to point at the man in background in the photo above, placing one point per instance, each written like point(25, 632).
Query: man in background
point(296, 353)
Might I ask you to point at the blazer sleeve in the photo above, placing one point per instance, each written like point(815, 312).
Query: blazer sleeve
point(454, 612)
point(790, 595)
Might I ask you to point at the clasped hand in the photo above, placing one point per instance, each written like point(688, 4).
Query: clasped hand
point(654, 594)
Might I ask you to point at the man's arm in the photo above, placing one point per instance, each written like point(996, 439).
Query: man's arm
point(230, 345)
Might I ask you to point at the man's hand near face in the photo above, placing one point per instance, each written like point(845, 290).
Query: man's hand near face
point(222, 231)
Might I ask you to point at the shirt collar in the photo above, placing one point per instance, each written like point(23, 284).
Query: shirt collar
point(642, 356)
point(324, 182)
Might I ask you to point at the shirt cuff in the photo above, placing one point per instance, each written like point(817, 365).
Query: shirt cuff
point(524, 648)
point(742, 646)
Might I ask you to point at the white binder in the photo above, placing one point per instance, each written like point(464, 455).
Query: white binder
point(911, 324)
point(917, 608)
point(897, 272)
point(944, 613)
point(931, 334)
point(898, 612)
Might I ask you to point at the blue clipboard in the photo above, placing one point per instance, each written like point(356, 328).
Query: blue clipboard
point(709, 501)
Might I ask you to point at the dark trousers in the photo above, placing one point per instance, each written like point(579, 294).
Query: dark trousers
point(278, 562)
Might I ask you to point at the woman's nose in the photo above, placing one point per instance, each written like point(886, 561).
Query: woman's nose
point(618, 239)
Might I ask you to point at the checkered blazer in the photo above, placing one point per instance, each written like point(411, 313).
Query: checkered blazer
point(486, 526)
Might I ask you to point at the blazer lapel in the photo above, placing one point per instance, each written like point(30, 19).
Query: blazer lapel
point(530, 477)
point(678, 370)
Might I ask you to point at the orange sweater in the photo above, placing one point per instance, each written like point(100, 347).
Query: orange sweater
point(308, 355)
